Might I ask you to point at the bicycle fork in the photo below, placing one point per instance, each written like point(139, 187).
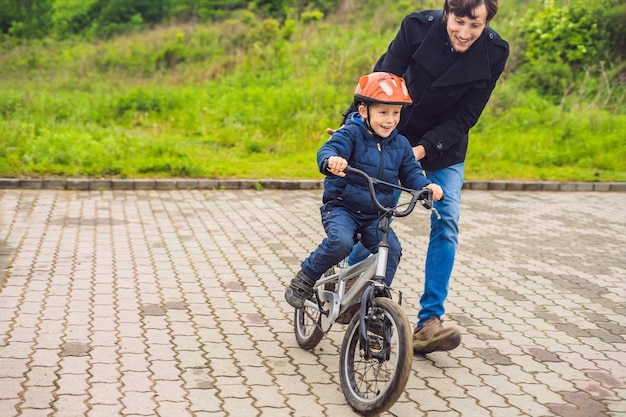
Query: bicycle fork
point(369, 312)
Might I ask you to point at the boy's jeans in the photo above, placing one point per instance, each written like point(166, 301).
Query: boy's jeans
point(358, 251)
point(340, 226)
point(443, 242)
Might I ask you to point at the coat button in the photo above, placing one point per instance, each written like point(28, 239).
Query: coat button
point(491, 36)
point(431, 18)
point(440, 146)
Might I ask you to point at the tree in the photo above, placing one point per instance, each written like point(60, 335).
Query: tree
point(26, 18)
point(8, 14)
point(71, 17)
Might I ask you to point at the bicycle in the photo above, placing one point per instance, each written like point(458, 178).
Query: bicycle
point(377, 349)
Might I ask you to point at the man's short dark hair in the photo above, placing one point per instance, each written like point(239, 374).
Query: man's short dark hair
point(463, 8)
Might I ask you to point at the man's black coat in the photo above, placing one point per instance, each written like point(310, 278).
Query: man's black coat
point(449, 89)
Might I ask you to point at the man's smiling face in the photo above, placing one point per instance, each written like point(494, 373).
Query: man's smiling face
point(463, 31)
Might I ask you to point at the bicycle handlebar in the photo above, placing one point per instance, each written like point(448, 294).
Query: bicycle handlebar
point(424, 196)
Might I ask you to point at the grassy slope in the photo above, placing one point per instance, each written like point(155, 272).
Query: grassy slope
point(207, 101)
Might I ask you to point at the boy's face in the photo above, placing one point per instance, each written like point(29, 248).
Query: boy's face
point(383, 118)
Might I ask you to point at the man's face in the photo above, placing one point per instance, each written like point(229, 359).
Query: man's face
point(463, 31)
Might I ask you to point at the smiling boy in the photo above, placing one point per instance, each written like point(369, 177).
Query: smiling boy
point(369, 142)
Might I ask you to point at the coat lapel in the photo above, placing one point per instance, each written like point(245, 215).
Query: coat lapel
point(470, 66)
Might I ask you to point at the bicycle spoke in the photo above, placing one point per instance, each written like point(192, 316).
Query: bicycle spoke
point(373, 375)
point(373, 379)
point(314, 321)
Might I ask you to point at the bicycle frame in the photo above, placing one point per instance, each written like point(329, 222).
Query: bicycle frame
point(375, 355)
point(333, 303)
point(371, 270)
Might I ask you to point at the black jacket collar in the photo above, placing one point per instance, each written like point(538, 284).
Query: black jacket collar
point(472, 65)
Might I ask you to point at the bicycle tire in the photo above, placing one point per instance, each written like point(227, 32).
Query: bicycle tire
point(372, 386)
point(306, 321)
point(306, 326)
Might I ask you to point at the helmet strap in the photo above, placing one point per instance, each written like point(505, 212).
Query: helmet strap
point(369, 126)
point(367, 120)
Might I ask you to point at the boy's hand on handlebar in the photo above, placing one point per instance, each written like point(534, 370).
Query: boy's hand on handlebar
point(437, 191)
point(336, 165)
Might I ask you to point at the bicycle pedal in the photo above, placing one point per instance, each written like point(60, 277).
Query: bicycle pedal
point(375, 342)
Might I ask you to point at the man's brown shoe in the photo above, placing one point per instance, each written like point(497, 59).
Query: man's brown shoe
point(432, 336)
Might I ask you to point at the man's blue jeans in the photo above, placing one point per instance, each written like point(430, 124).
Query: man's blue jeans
point(443, 242)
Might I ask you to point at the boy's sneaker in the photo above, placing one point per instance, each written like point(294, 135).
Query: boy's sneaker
point(433, 337)
point(300, 289)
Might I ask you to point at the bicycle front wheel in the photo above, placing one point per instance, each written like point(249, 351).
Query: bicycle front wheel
point(374, 376)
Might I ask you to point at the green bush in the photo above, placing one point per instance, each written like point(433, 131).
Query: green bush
point(559, 44)
point(170, 56)
point(312, 16)
point(616, 30)
point(10, 103)
point(140, 100)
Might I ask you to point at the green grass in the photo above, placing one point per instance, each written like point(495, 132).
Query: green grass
point(227, 101)
point(540, 141)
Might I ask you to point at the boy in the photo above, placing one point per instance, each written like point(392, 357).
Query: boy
point(370, 142)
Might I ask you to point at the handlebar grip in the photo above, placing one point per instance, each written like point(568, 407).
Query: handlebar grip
point(346, 170)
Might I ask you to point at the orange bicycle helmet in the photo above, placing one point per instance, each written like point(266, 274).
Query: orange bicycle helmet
point(382, 87)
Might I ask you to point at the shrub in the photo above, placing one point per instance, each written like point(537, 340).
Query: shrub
point(140, 100)
point(269, 30)
point(9, 104)
point(313, 16)
point(560, 44)
point(170, 56)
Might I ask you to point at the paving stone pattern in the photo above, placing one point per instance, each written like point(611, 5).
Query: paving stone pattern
point(170, 303)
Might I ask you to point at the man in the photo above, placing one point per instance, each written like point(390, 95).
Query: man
point(451, 61)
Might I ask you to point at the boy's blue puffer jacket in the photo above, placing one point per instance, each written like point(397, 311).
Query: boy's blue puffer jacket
point(390, 159)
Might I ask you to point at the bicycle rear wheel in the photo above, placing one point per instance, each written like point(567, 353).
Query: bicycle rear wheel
point(306, 326)
point(372, 385)
point(306, 321)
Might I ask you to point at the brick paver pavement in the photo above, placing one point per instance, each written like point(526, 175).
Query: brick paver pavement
point(170, 303)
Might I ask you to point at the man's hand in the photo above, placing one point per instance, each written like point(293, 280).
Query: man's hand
point(419, 151)
point(330, 130)
point(336, 165)
point(436, 189)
